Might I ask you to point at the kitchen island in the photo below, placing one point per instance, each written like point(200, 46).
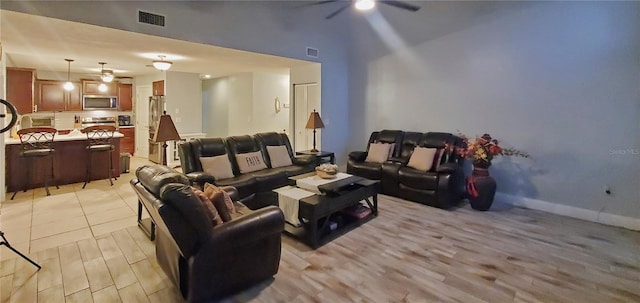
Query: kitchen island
point(70, 162)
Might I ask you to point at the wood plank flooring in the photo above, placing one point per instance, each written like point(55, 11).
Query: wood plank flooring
point(410, 253)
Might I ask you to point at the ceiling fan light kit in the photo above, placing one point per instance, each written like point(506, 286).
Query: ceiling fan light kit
point(105, 74)
point(162, 64)
point(68, 86)
point(364, 5)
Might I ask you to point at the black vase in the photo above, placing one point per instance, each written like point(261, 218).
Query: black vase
point(485, 189)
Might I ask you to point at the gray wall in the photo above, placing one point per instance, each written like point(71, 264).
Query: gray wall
point(556, 79)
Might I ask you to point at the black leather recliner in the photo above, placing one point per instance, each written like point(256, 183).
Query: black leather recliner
point(205, 262)
point(258, 183)
point(441, 188)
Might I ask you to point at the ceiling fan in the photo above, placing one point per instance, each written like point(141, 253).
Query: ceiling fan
point(366, 5)
point(108, 75)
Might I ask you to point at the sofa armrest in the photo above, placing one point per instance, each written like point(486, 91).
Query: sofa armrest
point(304, 160)
point(399, 160)
point(358, 156)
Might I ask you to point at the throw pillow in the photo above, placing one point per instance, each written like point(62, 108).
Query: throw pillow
point(210, 189)
point(211, 209)
point(219, 166)
point(422, 158)
point(378, 152)
point(279, 156)
point(218, 201)
point(249, 162)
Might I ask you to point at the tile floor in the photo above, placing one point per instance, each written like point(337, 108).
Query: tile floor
point(34, 222)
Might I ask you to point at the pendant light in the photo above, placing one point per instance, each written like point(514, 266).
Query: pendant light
point(162, 64)
point(68, 86)
point(105, 74)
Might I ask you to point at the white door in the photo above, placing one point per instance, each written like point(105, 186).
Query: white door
point(143, 92)
point(305, 97)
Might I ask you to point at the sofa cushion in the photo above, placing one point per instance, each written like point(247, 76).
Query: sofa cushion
point(182, 198)
point(279, 156)
point(154, 177)
point(210, 190)
point(245, 184)
point(212, 211)
point(218, 166)
point(378, 152)
point(422, 158)
point(417, 178)
point(249, 162)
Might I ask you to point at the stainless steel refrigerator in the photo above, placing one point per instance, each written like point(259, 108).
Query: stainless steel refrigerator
point(156, 107)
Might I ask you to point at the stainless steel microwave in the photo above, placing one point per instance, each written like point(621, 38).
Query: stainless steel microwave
point(90, 102)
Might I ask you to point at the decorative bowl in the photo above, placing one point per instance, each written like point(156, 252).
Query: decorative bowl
point(325, 173)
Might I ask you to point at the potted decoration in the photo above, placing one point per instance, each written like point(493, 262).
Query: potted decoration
point(481, 187)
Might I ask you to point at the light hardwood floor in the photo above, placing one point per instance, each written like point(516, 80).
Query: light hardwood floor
point(410, 253)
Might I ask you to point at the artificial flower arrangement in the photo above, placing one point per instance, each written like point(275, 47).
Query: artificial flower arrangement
point(481, 150)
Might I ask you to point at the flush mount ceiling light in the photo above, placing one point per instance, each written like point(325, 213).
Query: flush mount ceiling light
point(364, 5)
point(68, 86)
point(162, 64)
point(105, 74)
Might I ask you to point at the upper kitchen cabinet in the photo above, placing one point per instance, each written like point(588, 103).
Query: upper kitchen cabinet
point(125, 96)
point(20, 82)
point(90, 87)
point(158, 88)
point(51, 96)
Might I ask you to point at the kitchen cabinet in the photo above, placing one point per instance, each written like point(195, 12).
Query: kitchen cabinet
point(158, 88)
point(127, 143)
point(51, 96)
point(90, 87)
point(125, 97)
point(20, 84)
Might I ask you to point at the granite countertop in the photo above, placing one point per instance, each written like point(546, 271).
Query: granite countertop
point(58, 137)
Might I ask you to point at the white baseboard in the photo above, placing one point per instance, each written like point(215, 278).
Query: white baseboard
point(570, 211)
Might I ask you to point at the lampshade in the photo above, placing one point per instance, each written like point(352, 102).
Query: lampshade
point(314, 121)
point(162, 64)
point(166, 130)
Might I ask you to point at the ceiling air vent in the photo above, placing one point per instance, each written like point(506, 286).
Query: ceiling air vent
point(149, 18)
point(312, 52)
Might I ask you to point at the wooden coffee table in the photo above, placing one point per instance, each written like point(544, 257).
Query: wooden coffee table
point(319, 212)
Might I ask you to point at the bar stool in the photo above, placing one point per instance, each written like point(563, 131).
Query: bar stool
point(99, 139)
point(37, 143)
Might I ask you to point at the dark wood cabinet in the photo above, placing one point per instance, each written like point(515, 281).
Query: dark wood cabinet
point(20, 86)
point(90, 87)
point(158, 88)
point(128, 142)
point(125, 97)
point(51, 96)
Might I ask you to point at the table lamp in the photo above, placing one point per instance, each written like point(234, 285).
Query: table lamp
point(166, 131)
point(313, 123)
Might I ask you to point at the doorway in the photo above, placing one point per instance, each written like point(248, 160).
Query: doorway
point(143, 92)
point(306, 98)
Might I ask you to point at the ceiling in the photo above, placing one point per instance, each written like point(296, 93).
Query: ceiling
point(42, 43)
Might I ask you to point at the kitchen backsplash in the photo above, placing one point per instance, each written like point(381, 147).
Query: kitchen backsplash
point(64, 120)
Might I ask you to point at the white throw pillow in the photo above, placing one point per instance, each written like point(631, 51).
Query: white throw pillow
point(422, 158)
point(378, 152)
point(219, 166)
point(249, 162)
point(279, 156)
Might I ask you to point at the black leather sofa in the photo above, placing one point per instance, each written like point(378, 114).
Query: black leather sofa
point(207, 262)
point(259, 183)
point(441, 188)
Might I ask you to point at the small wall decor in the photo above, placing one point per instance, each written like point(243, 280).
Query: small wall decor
point(277, 105)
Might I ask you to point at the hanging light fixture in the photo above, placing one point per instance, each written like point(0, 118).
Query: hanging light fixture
point(68, 86)
point(105, 74)
point(162, 64)
point(102, 87)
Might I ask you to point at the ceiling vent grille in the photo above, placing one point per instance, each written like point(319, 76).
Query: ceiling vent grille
point(149, 18)
point(312, 52)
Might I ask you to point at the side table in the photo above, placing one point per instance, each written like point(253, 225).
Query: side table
point(321, 156)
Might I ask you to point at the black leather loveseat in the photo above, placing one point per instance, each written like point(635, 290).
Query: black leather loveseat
point(442, 186)
point(207, 262)
point(260, 182)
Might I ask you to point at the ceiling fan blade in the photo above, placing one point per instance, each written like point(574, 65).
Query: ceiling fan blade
point(338, 11)
point(401, 4)
point(307, 4)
